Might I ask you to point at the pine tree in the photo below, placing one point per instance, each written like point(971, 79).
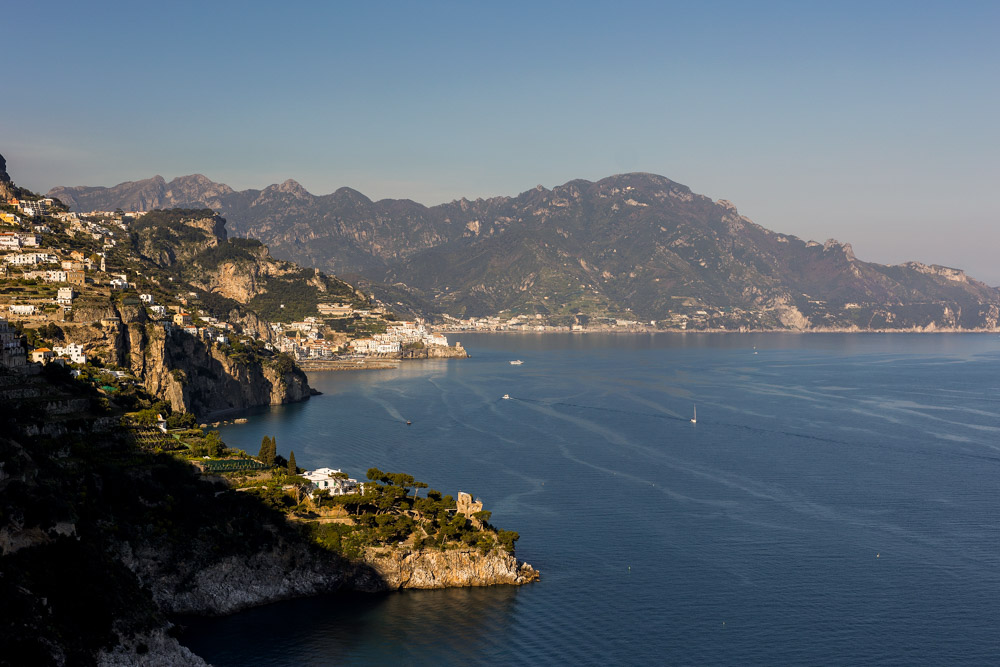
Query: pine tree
point(292, 468)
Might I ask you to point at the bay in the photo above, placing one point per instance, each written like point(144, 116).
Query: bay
point(836, 503)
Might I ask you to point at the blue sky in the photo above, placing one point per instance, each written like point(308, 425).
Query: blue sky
point(871, 122)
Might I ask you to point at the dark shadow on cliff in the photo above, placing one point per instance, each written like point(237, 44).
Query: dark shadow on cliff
point(101, 540)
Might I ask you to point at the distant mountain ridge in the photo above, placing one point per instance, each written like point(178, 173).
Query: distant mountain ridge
point(628, 246)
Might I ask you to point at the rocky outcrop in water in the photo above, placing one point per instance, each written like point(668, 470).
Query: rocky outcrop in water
point(435, 352)
point(431, 568)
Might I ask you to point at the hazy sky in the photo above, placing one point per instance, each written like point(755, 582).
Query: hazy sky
point(872, 122)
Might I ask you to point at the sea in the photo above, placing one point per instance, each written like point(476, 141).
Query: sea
point(836, 503)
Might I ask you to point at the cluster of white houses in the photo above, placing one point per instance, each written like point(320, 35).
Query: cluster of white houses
point(397, 336)
point(303, 340)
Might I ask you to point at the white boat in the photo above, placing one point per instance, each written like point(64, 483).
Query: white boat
point(694, 419)
point(516, 362)
point(506, 397)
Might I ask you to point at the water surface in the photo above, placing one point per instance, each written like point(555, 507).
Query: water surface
point(836, 503)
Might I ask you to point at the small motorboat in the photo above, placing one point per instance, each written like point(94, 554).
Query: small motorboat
point(516, 362)
point(506, 397)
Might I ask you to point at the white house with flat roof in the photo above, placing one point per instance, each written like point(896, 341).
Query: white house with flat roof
point(72, 350)
point(334, 481)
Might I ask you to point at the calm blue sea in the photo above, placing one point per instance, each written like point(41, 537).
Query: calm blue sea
point(838, 502)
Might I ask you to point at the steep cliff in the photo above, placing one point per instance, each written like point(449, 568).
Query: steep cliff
point(195, 376)
point(191, 374)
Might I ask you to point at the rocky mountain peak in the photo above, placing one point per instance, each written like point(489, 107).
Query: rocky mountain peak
point(351, 195)
point(293, 187)
point(835, 245)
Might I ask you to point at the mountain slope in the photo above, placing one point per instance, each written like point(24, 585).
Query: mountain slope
point(632, 245)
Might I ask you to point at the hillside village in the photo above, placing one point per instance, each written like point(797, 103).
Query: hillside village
point(56, 264)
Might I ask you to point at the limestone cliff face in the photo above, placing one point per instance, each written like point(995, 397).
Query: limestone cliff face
point(197, 377)
point(192, 375)
point(430, 568)
point(235, 583)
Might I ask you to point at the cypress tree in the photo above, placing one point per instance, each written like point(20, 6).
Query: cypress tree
point(292, 468)
point(268, 449)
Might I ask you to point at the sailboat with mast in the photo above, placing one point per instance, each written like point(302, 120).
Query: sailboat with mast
point(694, 418)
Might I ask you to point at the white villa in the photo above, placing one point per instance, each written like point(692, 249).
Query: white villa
point(72, 350)
point(331, 480)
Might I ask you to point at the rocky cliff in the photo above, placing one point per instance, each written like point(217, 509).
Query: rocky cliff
point(435, 352)
point(192, 246)
point(281, 571)
point(191, 374)
point(401, 568)
point(195, 376)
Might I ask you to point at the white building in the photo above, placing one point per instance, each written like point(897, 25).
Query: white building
point(52, 276)
point(331, 480)
point(65, 296)
point(22, 309)
point(30, 258)
point(72, 350)
point(363, 345)
point(146, 299)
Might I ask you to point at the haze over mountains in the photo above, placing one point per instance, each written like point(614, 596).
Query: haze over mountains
point(631, 245)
